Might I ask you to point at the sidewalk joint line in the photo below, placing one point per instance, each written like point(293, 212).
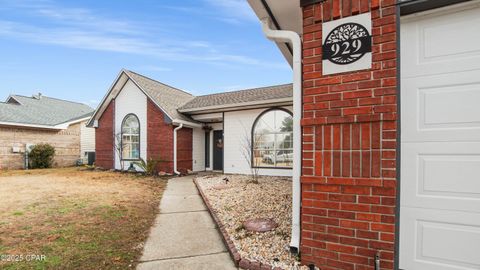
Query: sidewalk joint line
point(180, 212)
point(183, 257)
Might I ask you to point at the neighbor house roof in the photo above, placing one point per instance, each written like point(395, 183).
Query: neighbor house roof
point(268, 94)
point(165, 96)
point(41, 111)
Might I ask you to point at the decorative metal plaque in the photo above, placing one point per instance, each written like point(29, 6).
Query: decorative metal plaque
point(347, 44)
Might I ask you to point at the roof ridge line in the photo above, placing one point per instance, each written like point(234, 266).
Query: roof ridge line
point(175, 88)
point(248, 89)
point(70, 101)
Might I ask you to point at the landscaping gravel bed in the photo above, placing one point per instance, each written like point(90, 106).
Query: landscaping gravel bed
point(239, 200)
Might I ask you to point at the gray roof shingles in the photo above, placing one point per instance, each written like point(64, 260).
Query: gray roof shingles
point(165, 96)
point(239, 97)
point(45, 111)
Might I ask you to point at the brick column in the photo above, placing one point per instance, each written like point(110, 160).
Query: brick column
point(104, 138)
point(159, 138)
point(349, 145)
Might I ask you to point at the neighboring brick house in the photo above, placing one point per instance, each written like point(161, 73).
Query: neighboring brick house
point(141, 118)
point(40, 119)
point(380, 177)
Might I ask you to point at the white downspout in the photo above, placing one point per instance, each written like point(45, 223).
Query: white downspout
point(175, 148)
point(294, 39)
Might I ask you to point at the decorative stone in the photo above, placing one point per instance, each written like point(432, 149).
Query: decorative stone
point(260, 225)
point(221, 186)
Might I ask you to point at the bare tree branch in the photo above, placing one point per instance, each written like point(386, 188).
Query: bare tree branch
point(119, 149)
point(247, 149)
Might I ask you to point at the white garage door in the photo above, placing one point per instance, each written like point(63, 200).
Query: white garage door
point(440, 139)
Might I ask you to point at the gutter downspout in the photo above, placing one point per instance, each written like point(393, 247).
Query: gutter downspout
point(175, 148)
point(294, 39)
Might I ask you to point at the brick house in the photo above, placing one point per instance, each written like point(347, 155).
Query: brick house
point(390, 128)
point(39, 119)
point(141, 118)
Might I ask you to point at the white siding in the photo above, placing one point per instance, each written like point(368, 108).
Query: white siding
point(131, 100)
point(238, 125)
point(198, 150)
point(87, 139)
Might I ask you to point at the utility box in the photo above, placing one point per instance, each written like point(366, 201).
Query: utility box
point(90, 158)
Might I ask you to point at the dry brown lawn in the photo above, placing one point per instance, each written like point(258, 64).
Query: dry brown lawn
point(78, 219)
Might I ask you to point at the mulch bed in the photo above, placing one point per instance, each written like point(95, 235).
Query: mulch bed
point(239, 200)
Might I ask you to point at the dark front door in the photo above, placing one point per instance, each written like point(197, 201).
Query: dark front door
point(218, 150)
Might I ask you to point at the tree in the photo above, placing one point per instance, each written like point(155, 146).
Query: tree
point(119, 145)
point(248, 148)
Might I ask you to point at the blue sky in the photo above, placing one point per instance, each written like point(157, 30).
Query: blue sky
point(74, 49)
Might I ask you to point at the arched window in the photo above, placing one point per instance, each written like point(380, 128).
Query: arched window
point(272, 139)
point(130, 137)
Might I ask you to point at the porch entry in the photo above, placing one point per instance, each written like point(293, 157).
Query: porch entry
point(218, 150)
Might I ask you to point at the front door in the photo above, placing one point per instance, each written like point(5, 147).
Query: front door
point(218, 150)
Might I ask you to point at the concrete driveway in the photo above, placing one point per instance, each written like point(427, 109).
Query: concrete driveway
point(184, 235)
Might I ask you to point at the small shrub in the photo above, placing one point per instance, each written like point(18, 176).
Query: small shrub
point(150, 166)
point(41, 156)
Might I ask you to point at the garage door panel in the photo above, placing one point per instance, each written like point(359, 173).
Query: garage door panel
point(441, 176)
point(456, 31)
point(442, 108)
point(440, 243)
point(440, 139)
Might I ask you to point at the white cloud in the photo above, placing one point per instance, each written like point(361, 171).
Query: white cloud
point(81, 28)
point(234, 10)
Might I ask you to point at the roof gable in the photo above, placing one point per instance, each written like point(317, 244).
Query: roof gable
point(12, 100)
point(168, 98)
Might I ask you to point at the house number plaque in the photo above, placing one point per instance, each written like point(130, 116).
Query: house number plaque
point(347, 44)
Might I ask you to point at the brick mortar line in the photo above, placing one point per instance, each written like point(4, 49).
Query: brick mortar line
point(232, 250)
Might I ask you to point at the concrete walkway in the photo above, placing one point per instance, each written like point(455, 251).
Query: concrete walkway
point(184, 235)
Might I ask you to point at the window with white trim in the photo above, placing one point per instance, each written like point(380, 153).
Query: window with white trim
point(272, 139)
point(130, 137)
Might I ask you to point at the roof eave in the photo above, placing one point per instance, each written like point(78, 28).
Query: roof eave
point(105, 97)
point(239, 106)
point(16, 124)
point(263, 10)
point(190, 124)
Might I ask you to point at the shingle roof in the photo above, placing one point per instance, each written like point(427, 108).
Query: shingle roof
point(45, 111)
point(167, 97)
point(241, 96)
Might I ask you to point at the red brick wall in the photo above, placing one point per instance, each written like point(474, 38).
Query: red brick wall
point(159, 138)
point(349, 145)
point(160, 141)
point(184, 149)
point(104, 138)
